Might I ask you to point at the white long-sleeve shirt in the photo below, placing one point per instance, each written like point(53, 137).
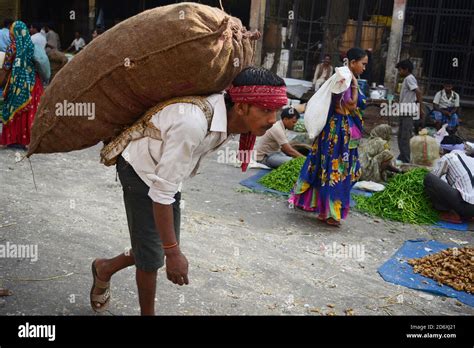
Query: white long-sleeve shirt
point(456, 174)
point(164, 164)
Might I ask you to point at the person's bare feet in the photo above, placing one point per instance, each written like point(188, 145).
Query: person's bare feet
point(330, 221)
point(333, 222)
point(103, 275)
point(452, 217)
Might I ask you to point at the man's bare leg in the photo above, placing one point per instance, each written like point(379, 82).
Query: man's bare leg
point(146, 284)
point(146, 281)
point(106, 268)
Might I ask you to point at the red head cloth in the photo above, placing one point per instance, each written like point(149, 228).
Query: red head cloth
point(247, 141)
point(264, 97)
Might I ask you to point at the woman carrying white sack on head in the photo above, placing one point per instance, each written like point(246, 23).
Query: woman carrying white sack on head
point(333, 115)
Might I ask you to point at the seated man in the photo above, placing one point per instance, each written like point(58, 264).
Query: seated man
point(446, 104)
point(78, 43)
point(454, 197)
point(274, 149)
point(323, 72)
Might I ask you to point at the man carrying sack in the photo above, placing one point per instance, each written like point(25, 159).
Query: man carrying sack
point(162, 149)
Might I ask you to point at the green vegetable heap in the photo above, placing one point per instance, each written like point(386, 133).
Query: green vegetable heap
point(284, 177)
point(299, 126)
point(402, 200)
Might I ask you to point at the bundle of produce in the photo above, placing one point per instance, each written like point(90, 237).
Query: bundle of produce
point(284, 177)
point(424, 149)
point(402, 200)
point(57, 60)
point(183, 49)
point(453, 267)
point(299, 126)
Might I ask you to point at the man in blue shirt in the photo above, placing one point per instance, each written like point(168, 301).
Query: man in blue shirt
point(5, 35)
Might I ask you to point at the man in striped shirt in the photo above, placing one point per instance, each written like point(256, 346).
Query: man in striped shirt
point(450, 186)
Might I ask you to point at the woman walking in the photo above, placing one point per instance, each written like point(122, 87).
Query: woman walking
point(23, 89)
point(332, 167)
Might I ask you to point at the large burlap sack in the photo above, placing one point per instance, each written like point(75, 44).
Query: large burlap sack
point(57, 60)
point(176, 50)
point(424, 150)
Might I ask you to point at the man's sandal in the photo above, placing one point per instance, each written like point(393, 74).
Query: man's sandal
point(101, 299)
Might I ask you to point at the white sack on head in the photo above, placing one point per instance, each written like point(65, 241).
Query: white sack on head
point(317, 109)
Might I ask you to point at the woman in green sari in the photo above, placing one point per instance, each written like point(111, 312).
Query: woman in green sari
point(375, 155)
point(23, 89)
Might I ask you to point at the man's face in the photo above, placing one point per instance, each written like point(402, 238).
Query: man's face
point(327, 60)
point(403, 72)
point(290, 123)
point(258, 120)
point(448, 88)
point(33, 31)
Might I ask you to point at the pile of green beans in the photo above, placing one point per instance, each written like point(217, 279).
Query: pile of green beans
point(299, 126)
point(284, 177)
point(402, 200)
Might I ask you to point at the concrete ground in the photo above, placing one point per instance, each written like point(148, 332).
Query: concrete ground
point(248, 253)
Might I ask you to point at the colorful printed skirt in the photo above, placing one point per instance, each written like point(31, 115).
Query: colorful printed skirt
point(330, 171)
point(18, 129)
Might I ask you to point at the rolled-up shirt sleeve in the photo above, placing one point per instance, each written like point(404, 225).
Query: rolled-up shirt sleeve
point(183, 128)
point(441, 166)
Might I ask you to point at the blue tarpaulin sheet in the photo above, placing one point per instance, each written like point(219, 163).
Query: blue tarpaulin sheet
point(398, 271)
point(252, 183)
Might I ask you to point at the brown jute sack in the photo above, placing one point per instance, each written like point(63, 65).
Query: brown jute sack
point(57, 61)
point(424, 150)
point(176, 50)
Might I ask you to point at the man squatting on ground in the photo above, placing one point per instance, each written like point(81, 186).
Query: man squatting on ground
point(151, 172)
point(274, 149)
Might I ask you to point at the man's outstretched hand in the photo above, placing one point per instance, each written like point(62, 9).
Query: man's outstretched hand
point(176, 266)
